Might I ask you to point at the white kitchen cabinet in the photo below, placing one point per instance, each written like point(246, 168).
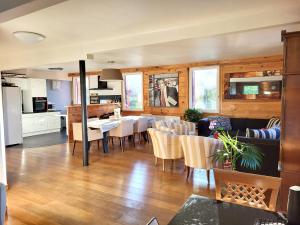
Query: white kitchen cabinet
point(38, 87)
point(34, 88)
point(93, 81)
point(20, 82)
point(40, 123)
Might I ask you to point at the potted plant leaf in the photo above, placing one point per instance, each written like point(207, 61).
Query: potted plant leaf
point(235, 151)
point(192, 115)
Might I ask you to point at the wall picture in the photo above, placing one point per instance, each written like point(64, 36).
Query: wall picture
point(163, 90)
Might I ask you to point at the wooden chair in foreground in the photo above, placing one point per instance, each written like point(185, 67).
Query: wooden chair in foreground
point(247, 189)
point(197, 152)
point(165, 146)
point(153, 221)
point(93, 135)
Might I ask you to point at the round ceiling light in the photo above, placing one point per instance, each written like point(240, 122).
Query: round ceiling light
point(29, 37)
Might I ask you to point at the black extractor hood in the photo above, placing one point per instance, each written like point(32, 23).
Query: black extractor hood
point(102, 85)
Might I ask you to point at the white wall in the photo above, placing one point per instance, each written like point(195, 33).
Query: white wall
point(3, 178)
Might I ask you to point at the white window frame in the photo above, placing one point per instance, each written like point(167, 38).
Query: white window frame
point(191, 71)
point(123, 90)
point(76, 98)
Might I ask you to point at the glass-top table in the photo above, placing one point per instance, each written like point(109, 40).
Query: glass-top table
point(198, 210)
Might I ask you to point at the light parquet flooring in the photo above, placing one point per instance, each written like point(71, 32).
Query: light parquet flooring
point(49, 186)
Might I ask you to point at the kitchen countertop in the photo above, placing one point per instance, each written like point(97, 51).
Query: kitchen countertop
point(41, 112)
point(92, 105)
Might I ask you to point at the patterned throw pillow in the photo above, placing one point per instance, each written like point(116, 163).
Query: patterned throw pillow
point(273, 122)
point(272, 133)
point(221, 122)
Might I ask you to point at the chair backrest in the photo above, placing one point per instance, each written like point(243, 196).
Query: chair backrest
point(247, 189)
point(198, 150)
point(93, 135)
point(153, 221)
point(168, 145)
point(181, 129)
point(124, 129)
point(141, 125)
point(158, 124)
point(191, 126)
point(154, 141)
point(77, 131)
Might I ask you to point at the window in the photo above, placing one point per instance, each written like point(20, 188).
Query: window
point(133, 91)
point(204, 89)
point(76, 90)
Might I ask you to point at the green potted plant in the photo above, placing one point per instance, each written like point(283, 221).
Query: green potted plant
point(235, 151)
point(192, 115)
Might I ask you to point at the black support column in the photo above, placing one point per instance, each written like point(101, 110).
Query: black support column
point(85, 143)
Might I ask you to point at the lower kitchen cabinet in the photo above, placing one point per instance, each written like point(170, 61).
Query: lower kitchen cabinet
point(40, 123)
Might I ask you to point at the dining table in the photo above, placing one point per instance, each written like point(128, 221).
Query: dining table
point(199, 210)
point(105, 125)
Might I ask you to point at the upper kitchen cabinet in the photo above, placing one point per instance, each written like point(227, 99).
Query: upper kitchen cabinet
point(38, 87)
point(35, 88)
point(20, 82)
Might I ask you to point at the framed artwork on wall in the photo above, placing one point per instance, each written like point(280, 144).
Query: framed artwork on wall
point(163, 90)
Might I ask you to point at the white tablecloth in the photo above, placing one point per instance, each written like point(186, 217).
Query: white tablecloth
point(104, 125)
point(108, 124)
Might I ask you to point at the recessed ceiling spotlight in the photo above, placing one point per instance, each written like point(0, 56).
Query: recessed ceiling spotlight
point(56, 68)
point(29, 37)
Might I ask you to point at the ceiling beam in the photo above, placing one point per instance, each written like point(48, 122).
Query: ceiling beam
point(26, 8)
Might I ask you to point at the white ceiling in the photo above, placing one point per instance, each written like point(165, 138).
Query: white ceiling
point(76, 28)
point(262, 42)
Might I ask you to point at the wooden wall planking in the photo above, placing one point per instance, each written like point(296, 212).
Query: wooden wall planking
point(250, 108)
point(232, 108)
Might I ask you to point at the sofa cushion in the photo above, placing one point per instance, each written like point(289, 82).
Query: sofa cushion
point(239, 133)
point(221, 122)
point(272, 133)
point(243, 123)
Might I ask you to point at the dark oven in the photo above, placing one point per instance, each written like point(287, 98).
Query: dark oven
point(39, 104)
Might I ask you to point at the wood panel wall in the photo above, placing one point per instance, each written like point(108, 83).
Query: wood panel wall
point(232, 108)
point(250, 108)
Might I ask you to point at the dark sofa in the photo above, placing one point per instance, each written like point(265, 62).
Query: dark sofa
point(270, 148)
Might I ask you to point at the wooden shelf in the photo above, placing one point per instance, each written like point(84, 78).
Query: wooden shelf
point(255, 79)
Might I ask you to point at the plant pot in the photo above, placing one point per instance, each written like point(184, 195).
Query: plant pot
point(227, 165)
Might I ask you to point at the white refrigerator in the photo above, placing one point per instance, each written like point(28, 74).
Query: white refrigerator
point(12, 115)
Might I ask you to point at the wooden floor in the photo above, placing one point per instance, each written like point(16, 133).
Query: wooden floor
point(48, 185)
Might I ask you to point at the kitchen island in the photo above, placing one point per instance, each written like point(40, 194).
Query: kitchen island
point(93, 110)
